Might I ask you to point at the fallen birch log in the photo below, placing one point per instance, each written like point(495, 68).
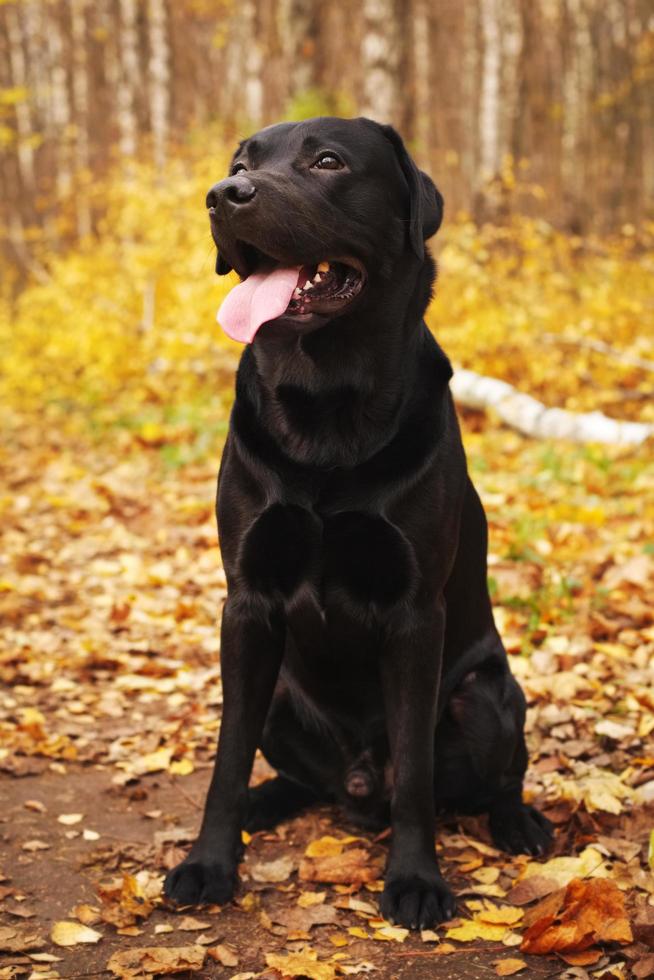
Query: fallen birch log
point(531, 417)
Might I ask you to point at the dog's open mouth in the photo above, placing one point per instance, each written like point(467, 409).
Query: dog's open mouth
point(325, 288)
point(294, 292)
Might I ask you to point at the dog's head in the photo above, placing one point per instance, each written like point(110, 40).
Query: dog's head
point(313, 215)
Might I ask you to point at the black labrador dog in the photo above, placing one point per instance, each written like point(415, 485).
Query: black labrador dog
point(359, 651)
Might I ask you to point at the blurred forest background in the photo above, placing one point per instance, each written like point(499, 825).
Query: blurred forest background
point(535, 118)
point(558, 94)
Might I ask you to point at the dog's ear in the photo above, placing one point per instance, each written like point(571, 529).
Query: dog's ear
point(222, 265)
point(426, 201)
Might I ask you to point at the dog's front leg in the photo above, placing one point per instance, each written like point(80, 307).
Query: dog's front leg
point(415, 894)
point(252, 647)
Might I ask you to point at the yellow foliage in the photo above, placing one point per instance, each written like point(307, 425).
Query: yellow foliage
point(121, 329)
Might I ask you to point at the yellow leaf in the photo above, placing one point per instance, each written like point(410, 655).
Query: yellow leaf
point(328, 846)
point(588, 864)
point(486, 876)
point(506, 968)
point(506, 915)
point(181, 767)
point(358, 932)
point(338, 939)
point(304, 964)
point(391, 933)
point(308, 899)
point(70, 818)
point(472, 929)
point(71, 933)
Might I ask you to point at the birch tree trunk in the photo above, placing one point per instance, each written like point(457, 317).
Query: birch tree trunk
point(25, 130)
point(81, 102)
point(379, 55)
point(159, 78)
point(489, 145)
point(129, 79)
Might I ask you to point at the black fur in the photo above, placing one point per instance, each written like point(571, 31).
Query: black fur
point(359, 650)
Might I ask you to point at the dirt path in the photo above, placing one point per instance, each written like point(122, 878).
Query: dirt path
point(55, 881)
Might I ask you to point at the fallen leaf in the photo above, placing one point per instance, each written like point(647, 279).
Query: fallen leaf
point(181, 767)
point(124, 901)
point(643, 926)
point(584, 913)
point(35, 845)
point(500, 915)
point(35, 805)
point(328, 846)
point(303, 920)
point(586, 957)
point(391, 934)
point(643, 969)
point(486, 876)
point(272, 871)
point(304, 964)
point(71, 933)
point(590, 863)
point(130, 964)
point(87, 914)
point(506, 968)
point(531, 889)
point(68, 819)
point(353, 866)
point(15, 939)
point(307, 899)
point(353, 969)
point(223, 954)
point(471, 929)
point(189, 923)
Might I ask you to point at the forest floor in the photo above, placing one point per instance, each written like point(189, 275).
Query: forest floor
point(110, 592)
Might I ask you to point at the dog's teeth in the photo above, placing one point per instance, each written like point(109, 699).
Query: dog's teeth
point(317, 278)
point(323, 266)
point(307, 285)
point(297, 292)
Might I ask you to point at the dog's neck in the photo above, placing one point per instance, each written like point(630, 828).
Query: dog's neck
point(336, 396)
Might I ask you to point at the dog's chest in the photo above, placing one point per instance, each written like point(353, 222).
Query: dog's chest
point(356, 556)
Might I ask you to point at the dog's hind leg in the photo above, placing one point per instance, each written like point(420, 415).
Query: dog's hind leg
point(489, 711)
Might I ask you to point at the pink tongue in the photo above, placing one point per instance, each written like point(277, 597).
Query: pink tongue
point(256, 300)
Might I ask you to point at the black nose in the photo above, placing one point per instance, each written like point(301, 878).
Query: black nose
point(236, 190)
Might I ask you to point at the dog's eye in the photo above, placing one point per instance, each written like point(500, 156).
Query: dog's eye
point(327, 161)
point(238, 168)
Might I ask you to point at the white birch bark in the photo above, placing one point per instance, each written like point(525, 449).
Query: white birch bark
point(531, 417)
point(159, 78)
point(25, 130)
point(129, 79)
point(253, 64)
point(489, 116)
point(379, 55)
point(81, 103)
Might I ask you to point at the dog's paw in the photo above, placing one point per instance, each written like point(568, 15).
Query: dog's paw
point(417, 901)
point(521, 830)
point(199, 882)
